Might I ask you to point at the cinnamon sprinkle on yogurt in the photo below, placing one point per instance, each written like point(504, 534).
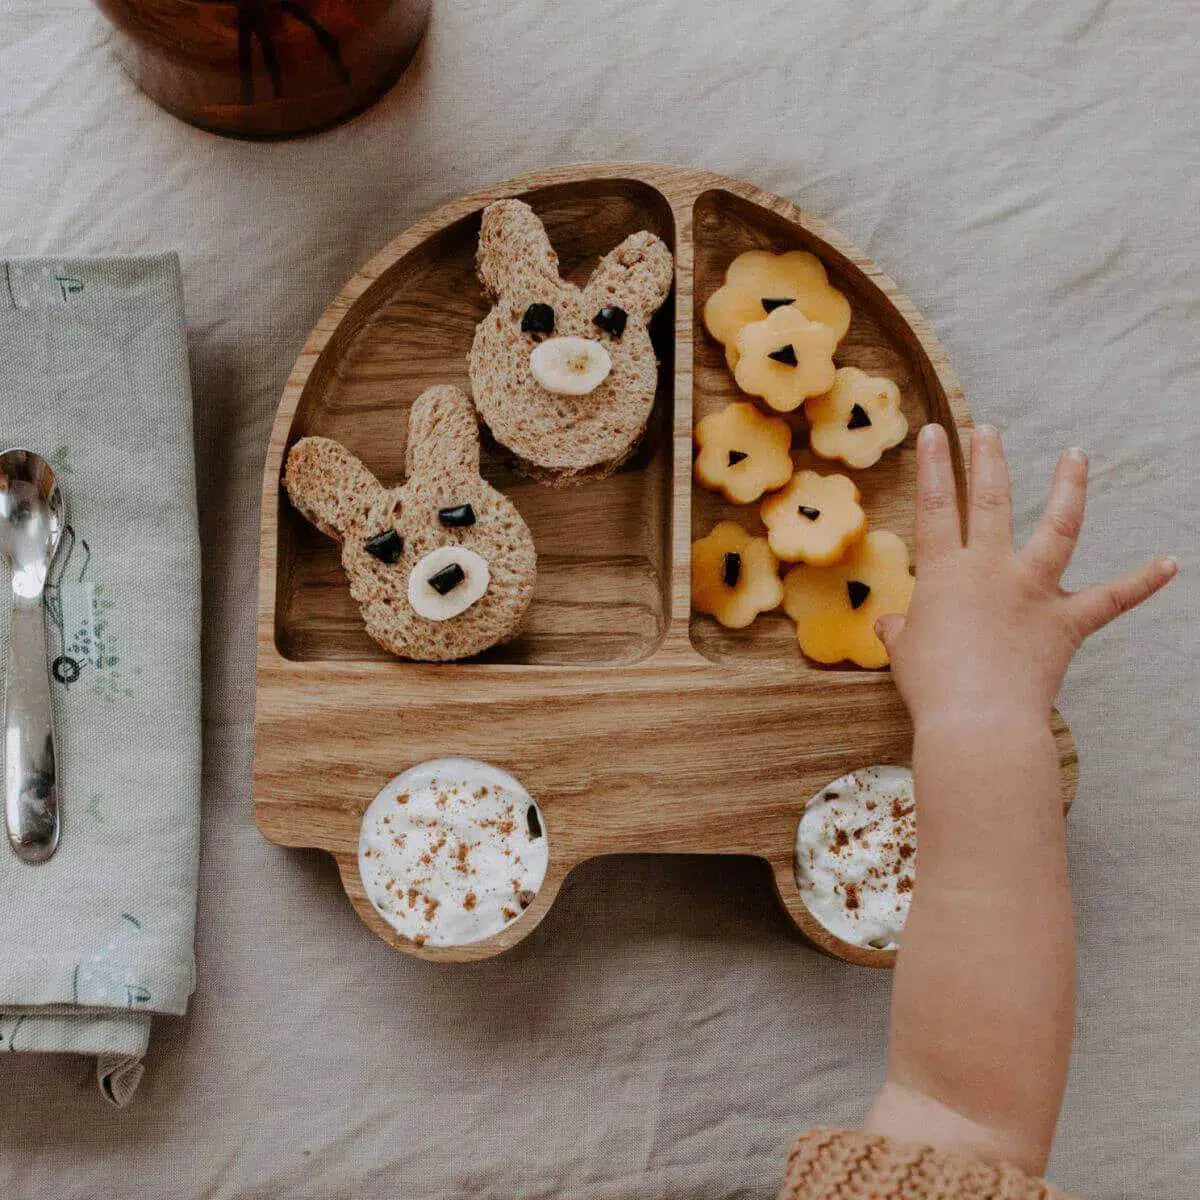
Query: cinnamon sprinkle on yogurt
point(856, 845)
point(448, 858)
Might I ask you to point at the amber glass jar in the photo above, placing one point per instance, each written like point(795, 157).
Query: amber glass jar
point(266, 68)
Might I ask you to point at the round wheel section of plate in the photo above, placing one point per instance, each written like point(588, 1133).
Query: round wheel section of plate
point(452, 851)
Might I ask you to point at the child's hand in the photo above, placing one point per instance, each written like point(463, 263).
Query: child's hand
point(990, 632)
point(983, 1001)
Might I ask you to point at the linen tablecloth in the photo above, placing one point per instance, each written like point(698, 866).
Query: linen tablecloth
point(1029, 175)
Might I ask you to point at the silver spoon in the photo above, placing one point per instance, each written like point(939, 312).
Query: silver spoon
point(32, 516)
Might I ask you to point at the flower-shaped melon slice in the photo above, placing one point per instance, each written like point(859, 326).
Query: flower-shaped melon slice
point(734, 576)
point(857, 419)
point(835, 608)
point(785, 358)
point(743, 452)
point(815, 519)
point(758, 282)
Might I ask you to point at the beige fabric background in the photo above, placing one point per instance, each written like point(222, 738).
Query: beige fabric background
point(1029, 173)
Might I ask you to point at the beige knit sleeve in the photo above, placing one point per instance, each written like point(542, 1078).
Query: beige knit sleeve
point(836, 1164)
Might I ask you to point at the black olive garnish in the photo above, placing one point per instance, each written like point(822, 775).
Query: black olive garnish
point(459, 516)
point(447, 579)
point(786, 355)
point(811, 513)
point(538, 318)
point(770, 305)
point(386, 546)
point(858, 418)
point(737, 456)
point(535, 826)
point(611, 319)
point(731, 569)
point(858, 592)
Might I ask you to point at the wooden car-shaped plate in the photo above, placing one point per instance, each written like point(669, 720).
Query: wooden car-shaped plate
point(636, 726)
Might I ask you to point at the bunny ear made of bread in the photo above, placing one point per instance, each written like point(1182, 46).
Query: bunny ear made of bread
point(514, 253)
point(443, 434)
point(636, 276)
point(332, 488)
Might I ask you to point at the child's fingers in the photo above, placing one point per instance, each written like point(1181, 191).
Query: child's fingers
point(1052, 542)
point(1095, 607)
point(989, 518)
point(938, 528)
point(888, 629)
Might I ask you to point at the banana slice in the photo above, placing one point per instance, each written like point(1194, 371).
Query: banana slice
point(446, 582)
point(570, 366)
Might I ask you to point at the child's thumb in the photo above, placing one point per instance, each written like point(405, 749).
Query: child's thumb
point(889, 628)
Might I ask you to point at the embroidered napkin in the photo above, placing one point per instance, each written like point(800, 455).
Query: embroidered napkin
point(94, 375)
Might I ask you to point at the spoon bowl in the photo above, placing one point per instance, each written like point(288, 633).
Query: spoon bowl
point(31, 516)
point(32, 519)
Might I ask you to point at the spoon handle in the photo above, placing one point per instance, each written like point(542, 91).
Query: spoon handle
point(30, 776)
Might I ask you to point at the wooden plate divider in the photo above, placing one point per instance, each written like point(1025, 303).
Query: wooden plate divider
point(636, 726)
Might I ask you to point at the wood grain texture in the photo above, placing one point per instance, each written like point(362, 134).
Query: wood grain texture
point(635, 726)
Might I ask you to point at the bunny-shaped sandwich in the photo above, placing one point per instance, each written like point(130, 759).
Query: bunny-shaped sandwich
point(442, 566)
point(563, 376)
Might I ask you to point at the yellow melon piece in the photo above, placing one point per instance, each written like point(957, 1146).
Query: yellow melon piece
point(758, 282)
point(857, 419)
point(742, 452)
point(815, 519)
point(785, 358)
point(835, 608)
point(734, 576)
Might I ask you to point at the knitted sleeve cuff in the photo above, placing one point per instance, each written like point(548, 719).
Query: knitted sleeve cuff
point(836, 1164)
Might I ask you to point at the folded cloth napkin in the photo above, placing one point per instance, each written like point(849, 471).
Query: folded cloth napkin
point(94, 375)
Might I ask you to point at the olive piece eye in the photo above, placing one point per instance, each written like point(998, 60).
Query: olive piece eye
point(538, 318)
point(612, 320)
point(386, 546)
point(731, 569)
point(460, 516)
point(857, 592)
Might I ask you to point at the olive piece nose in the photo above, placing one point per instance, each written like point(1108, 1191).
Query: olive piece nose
point(445, 582)
point(447, 579)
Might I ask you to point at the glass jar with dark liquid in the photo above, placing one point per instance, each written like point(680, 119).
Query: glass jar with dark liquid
point(266, 68)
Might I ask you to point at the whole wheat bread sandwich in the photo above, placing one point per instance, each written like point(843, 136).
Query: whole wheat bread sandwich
point(443, 565)
point(564, 377)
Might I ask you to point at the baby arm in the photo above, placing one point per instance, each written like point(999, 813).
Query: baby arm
point(983, 995)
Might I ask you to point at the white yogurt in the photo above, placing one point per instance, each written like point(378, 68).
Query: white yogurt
point(856, 855)
point(452, 851)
